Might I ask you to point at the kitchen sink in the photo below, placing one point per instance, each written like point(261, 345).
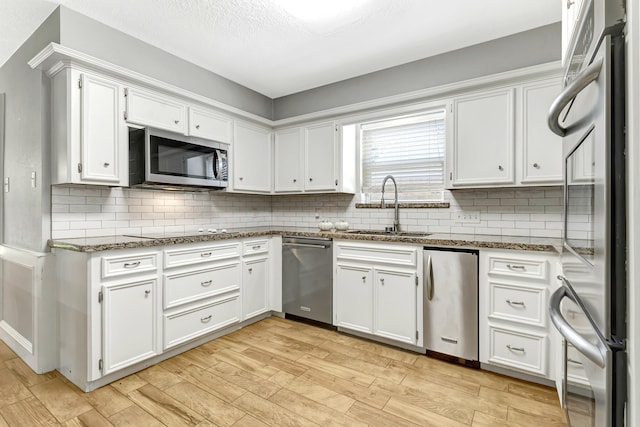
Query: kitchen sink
point(389, 233)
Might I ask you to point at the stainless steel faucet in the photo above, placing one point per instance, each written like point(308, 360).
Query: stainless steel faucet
point(396, 218)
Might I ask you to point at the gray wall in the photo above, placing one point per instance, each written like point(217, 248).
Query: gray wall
point(528, 48)
point(26, 142)
point(95, 38)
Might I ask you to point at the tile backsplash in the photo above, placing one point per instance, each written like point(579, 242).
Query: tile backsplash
point(82, 211)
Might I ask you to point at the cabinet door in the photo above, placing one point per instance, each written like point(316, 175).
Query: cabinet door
point(353, 297)
point(251, 158)
point(255, 287)
point(395, 305)
point(209, 125)
point(541, 148)
point(288, 160)
point(101, 139)
point(153, 109)
point(483, 139)
point(320, 157)
point(129, 324)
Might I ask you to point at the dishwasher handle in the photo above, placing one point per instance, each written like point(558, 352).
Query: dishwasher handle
point(307, 245)
point(428, 278)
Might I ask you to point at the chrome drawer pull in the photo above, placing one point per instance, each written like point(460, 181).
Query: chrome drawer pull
point(520, 303)
point(447, 339)
point(516, 267)
point(575, 362)
point(515, 348)
point(255, 248)
point(205, 254)
point(131, 264)
point(207, 283)
point(147, 292)
point(205, 319)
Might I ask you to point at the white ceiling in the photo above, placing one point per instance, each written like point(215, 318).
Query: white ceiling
point(261, 45)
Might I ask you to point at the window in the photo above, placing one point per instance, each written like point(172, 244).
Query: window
point(410, 148)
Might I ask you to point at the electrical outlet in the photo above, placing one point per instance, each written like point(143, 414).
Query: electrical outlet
point(468, 217)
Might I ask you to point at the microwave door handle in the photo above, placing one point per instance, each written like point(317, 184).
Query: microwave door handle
point(584, 79)
point(219, 166)
point(592, 352)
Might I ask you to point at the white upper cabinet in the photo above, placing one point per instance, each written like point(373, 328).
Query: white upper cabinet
point(288, 161)
point(570, 14)
point(210, 125)
point(89, 136)
point(482, 144)
point(541, 148)
point(251, 158)
point(159, 111)
point(314, 159)
point(320, 157)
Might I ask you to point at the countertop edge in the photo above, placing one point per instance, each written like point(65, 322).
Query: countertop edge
point(121, 242)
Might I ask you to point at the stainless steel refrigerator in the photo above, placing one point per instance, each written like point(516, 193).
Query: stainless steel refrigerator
point(589, 309)
point(451, 302)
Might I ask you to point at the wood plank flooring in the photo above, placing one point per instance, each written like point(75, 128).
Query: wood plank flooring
point(281, 373)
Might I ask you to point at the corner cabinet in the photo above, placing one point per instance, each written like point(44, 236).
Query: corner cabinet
point(251, 153)
point(482, 149)
point(90, 143)
point(377, 291)
point(314, 159)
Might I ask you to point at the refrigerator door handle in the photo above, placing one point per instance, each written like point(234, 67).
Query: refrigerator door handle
point(583, 80)
point(428, 278)
point(591, 351)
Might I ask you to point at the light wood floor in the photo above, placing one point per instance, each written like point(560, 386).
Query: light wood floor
point(281, 373)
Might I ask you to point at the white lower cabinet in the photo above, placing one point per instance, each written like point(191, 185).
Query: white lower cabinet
point(130, 323)
point(123, 307)
point(353, 290)
point(513, 304)
point(377, 290)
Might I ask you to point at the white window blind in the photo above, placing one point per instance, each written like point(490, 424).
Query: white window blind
point(409, 148)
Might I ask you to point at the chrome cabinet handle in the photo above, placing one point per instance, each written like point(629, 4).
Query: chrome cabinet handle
point(594, 352)
point(205, 319)
point(500, 168)
point(537, 166)
point(240, 178)
point(295, 180)
point(450, 340)
point(197, 126)
point(255, 248)
point(516, 267)
point(205, 254)
point(584, 79)
point(176, 121)
point(510, 347)
point(382, 281)
point(310, 179)
point(206, 283)
point(131, 264)
point(428, 277)
point(364, 279)
point(106, 164)
point(570, 3)
point(147, 292)
point(250, 270)
point(520, 303)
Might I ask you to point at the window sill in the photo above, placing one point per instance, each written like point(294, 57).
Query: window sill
point(410, 205)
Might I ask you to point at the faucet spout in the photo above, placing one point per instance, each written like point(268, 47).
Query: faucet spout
point(396, 217)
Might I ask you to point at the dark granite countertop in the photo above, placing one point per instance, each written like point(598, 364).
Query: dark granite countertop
point(95, 244)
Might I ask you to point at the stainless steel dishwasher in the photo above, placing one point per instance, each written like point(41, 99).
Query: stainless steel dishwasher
point(451, 302)
point(307, 278)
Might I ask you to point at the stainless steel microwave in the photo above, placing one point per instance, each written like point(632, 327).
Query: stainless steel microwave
point(168, 160)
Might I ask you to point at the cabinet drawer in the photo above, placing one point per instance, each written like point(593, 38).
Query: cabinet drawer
point(191, 255)
point(518, 350)
point(518, 304)
point(186, 286)
point(398, 255)
point(575, 369)
point(255, 247)
point(530, 269)
point(183, 326)
point(116, 266)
